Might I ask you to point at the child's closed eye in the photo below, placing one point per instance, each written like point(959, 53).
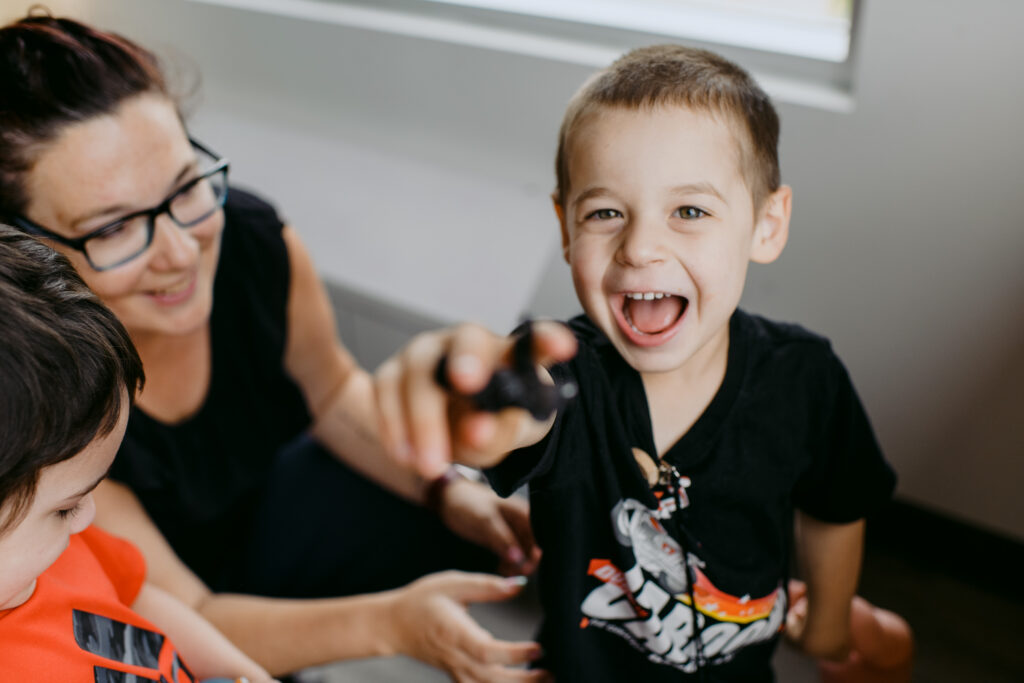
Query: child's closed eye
point(69, 513)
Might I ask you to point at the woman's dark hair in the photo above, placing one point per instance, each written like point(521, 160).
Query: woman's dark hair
point(65, 365)
point(55, 72)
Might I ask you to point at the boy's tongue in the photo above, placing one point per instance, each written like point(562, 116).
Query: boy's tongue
point(651, 317)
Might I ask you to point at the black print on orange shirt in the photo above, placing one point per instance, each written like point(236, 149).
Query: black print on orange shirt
point(125, 644)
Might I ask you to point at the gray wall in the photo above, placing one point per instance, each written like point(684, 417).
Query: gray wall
point(418, 172)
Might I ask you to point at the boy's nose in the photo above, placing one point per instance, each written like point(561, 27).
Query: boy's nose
point(173, 247)
point(640, 244)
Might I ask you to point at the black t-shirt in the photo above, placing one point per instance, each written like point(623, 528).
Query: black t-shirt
point(199, 478)
point(785, 430)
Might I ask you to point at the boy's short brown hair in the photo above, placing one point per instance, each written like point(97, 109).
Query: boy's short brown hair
point(661, 75)
point(65, 364)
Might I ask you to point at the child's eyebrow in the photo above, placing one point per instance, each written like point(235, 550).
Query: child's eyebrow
point(697, 188)
point(591, 192)
point(88, 489)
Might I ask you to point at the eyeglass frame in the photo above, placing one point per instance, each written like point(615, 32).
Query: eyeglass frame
point(222, 164)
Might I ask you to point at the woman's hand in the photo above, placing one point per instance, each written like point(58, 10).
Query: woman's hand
point(429, 621)
point(477, 514)
point(427, 427)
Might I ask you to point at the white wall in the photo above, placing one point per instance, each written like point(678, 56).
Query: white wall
point(419, 171)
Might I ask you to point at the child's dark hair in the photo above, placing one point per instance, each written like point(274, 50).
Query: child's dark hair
point(66, 363)
point(55, 72)
point(662, 75)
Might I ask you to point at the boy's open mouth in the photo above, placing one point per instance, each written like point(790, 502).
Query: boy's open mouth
point(651, 316)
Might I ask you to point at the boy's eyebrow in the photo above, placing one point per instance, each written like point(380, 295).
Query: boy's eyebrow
point(591, 192)
point(88, 489)
point(698, 188)
point(687, 189)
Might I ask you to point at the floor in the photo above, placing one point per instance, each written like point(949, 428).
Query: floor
point(966, 630)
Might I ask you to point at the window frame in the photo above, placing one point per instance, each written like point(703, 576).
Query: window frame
point(814, 83)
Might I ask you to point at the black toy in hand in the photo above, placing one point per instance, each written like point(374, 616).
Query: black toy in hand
point(518, 386)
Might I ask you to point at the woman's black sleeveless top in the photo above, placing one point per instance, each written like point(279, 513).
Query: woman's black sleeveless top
point(200, 478)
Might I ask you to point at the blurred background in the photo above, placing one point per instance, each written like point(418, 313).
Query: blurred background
point(411, 144)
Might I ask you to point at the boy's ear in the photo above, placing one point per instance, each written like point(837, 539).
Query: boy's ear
point(772, 228)
point(560, 212)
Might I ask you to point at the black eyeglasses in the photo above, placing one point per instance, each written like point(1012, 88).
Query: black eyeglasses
point(120, 241)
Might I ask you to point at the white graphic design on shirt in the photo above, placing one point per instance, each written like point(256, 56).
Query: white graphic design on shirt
point(649, 604)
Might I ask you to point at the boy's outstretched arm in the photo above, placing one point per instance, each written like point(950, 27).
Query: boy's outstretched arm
point(204, 649)
point(829, 559)
point(427, 426)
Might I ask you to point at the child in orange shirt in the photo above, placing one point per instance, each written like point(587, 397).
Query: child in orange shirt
point(74, 602)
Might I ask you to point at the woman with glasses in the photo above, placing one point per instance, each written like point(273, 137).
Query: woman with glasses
point(229, 478)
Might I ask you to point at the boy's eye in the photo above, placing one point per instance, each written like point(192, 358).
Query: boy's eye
point(70, 512)
point(604, 214)
point(690, 212)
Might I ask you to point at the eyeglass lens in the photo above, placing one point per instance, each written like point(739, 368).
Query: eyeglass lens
point(131, 237)
point(197, 201)
point(128, 239)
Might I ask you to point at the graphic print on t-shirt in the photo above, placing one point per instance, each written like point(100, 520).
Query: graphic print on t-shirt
point(649, 603)
point(129, 645)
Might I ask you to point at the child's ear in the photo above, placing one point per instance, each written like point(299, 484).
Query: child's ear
point(772, 229)
point(560, 212)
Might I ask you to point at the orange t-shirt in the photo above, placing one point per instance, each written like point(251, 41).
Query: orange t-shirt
point(78, 625)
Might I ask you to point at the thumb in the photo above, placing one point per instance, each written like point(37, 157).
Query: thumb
point(483, 439)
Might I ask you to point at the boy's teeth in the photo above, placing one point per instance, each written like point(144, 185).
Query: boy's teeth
point(652, 312)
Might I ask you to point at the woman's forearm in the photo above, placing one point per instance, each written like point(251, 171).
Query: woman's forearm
point(347, 426)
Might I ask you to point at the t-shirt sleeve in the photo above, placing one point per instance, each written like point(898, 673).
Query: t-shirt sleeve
point(121, 561)
point(848, 477)
point(523, 464)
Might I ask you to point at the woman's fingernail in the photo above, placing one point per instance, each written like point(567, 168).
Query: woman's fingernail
point(516, 581)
